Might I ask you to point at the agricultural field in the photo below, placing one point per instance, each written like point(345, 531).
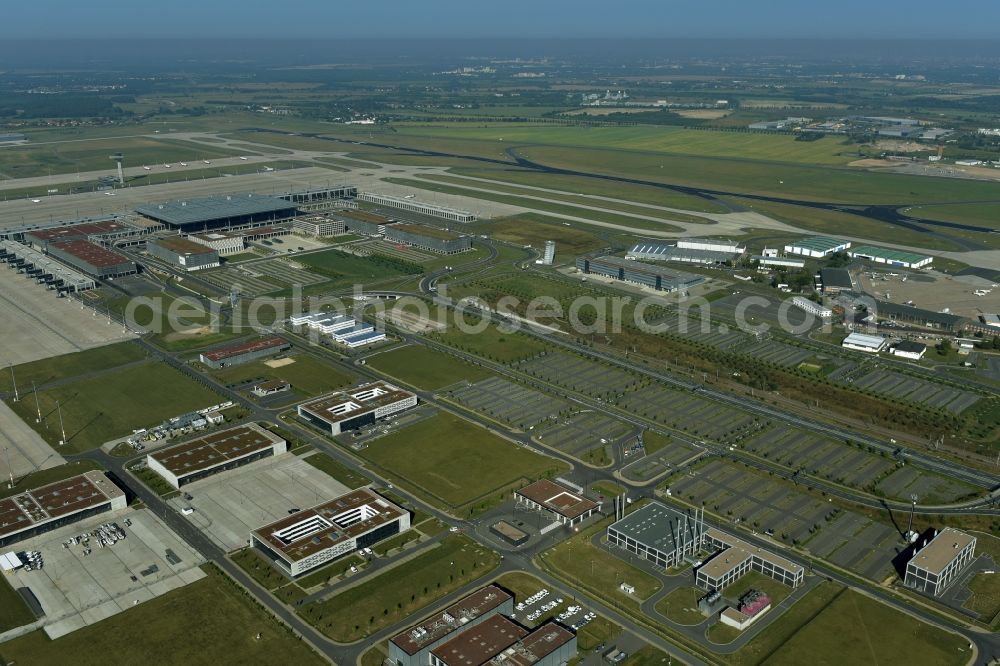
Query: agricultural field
point(218, 621)
point(456, 463)
point(402, 591)
point(101, 407)
point(425, 368)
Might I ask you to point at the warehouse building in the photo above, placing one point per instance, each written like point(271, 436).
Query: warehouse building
point(835, 280)
point(817, 246)
point(909, 349)
point(52, 506)
point(313, 537)
point(412, 206)
point(320, 225)
point(872, 344)
point(737, 557)
point(626, 270)
point(428, 238)
point(780, 262)
point(710, 245)
point(92, 259)
point(206, 213)
point(184, 253)
point(244, 352)
point(897, 258)
point(365, 223)
point(413, 646)
point(936, 564)
point(215, 453)
point(812, 307)
point(660, 534)
point(565, 507)
point(348, 410)
point(499, 640)
point(665, 252)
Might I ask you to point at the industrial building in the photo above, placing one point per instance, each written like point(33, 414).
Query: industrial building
point(206, 213)
point(665, 252)
point(43, 268)
point(499, 640)
point(413, 646)
point(52, 506)
point(211, 454)
point(319, 225)
point(412, 206)
point(835, 280)
point(364, 223)
point(244, 352)
point(310, 538)
point(91, 258)
point(898, 258)
point(565, 507)
point(909, 349)
point(817, 246)
point(710, 245)
point(348, 410)
point(648, 275)
point(812, 307)
point(737, 557)
point(937, 563)
point(780, 262)
point(872, 344)
point(428, 238)
point(660, 534)
point(184, 253)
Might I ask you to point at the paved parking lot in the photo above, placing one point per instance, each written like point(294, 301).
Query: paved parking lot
point(689, 413)
point(228, 506)
point(912, 389)
point(579, 374)
point(76, 589)
point(583, 432)
point(673, 455)
point(512, 404)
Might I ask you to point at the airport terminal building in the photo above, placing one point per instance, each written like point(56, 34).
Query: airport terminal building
point(313, 537)
point(215, 453)
point(207, 213)
point(52, 506)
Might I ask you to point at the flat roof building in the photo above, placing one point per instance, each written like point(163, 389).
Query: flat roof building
point(105, 230)
point(817, 246)
point(658, 533)
point(887, 310)
point(244, 352)
point(412, 647)
point(835, 280)
point(909, 349)
point(428, 238)
point(54, 273)
point(566, 507)
point(477, 645)
point(311, 538)
point(211, 454)
point(737, 557)
point(91, 258)
point(936, 564)
point(711, 245)
point(186, 254)
point(418, 207)
point(322, 196)
point(785, 262)
point(881, 255)
point(320, 225)
point(225, 243)
point(348, 410)
point(812, 307)
point(364, 222)
point(664, 252)
point(202, 214)
point(54, 505)
point(872, 344)
point(626, 270)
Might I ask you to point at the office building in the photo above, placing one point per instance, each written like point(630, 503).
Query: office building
point(183, 253)
point(937, 563)
point(311, 538)
point(812, 307)
point(364, 223)
point(626, 270)
point(428, 238)
point(736, 557)
point(320, 225)
point(244, 352)
point(349, 410)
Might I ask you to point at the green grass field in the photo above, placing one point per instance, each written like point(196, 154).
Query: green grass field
point(347, 476)
point(681, 606)
point(103, 407)
point(534, 229)
point(491, 343)
point(425, 368)
point(71, 365)
point(986, 215)
point(402, 591)
point(206, 623)
point(456, 462)
point(307, 375)
point(345, 269)
point(13, 611)
point(878, 634)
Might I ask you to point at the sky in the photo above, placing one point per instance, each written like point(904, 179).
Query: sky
point(752, 19)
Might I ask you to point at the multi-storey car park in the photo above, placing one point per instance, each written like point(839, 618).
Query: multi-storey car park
point(183, 253)
point(413, 646)
point(311, 538)
point(428, 238)
point(412, 206)
point(348, 410)
point(214, 453)
point(206, 213)
point(57, 504)
point(244, 352)
point(566, 507)
point(626, 270)
point(91, 258)
point(817, 246)
point(937, 563)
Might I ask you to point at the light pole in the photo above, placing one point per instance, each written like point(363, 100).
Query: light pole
point(10, 470)
point(13, 381)
point(62, 429)
point(38, 408)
